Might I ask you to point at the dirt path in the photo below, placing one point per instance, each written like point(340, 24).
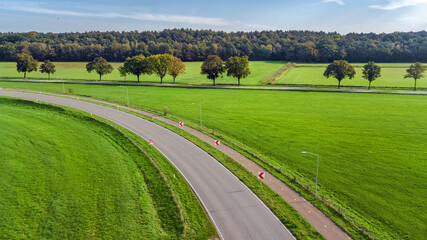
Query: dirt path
point(317, 219)
point(302, 89)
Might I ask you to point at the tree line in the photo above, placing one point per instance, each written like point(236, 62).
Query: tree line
point(213, 67)
point(341, 69)
point(197, 45)
point(160, 65)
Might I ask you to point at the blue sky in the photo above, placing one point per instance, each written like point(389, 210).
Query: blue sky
point(342, 16)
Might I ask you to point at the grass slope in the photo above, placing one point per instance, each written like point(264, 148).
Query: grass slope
point(391, 76)
point(64, 175)
point(372, 146)
point(77, 71)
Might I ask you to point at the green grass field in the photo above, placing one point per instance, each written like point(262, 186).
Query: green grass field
point(66, 176)
point(77, 71)
point(391, 76)
point(372, 146)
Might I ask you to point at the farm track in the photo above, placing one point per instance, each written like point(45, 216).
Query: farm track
point(225, 87)
point(316, 218)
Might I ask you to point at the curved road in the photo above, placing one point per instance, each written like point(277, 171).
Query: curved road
point(236, 212)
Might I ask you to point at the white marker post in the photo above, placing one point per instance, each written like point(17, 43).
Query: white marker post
point(151, 144)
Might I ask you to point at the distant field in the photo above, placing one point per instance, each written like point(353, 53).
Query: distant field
point(372, 147)
point(65, 176)
point(77, 71)
point(312, 74)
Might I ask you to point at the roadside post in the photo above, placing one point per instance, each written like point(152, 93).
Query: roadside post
point(317, 171)
point(63, 87)
point(200, 114)
point(127, 94)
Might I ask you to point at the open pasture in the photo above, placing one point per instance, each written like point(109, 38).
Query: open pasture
point(312, 75)
point(77, 71)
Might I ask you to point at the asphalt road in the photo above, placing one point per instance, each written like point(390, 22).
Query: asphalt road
point(236, 212)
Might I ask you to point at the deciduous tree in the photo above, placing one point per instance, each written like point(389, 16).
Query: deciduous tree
point(123, 72)
point(371, 71)
point(176, 67)
point(213, 67)
point(47, 67)
point(137, 65)
point(415, 71)
point(159, 64)
point(339, 69)
point(26, 63)
point(100, 65)
point(238, 67)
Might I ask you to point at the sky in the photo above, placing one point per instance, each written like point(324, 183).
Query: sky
point(342, 16)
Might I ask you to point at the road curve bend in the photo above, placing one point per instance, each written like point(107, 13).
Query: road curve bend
point(236, 211)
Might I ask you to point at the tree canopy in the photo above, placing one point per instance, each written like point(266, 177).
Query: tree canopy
point(196, 45)
point(371, 71)
point(415, 71)
point(238, 67)
point(100, 65)
point(47, 67)
point(213, 67)
point(159, 64)
point(339, 69)
point(137, 65)
point(26, 63)
point(176, 67)
point(122, 71)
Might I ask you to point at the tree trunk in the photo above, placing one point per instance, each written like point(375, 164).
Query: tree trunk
point(369, 85)
point(415, 86)
point(100, 77)
point(161, 80)
point(238, 82)
point(214, 81)
point(339, 84)
point(137, 77)
point(174, 80)
point(49, 75)
point(25, 75)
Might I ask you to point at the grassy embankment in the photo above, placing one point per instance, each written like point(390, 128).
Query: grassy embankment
point(66, 175)
point(311, 75)
point(372, 146)
point(77, 71)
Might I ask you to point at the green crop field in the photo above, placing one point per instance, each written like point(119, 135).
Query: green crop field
point(372, 147)
point(77, 71)
point(64, 175)
point(312, 74)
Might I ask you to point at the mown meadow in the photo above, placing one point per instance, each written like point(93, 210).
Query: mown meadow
point(77, 71)
point(311, 75)
point(65, 175)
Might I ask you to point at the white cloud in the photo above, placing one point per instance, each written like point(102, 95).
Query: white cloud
point(339, 2)
point(395, 4)
point(136, 16)
point(259, 27)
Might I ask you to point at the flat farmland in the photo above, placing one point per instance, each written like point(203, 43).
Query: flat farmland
point(372, 147)
point(77, 71)
point(312, 74)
